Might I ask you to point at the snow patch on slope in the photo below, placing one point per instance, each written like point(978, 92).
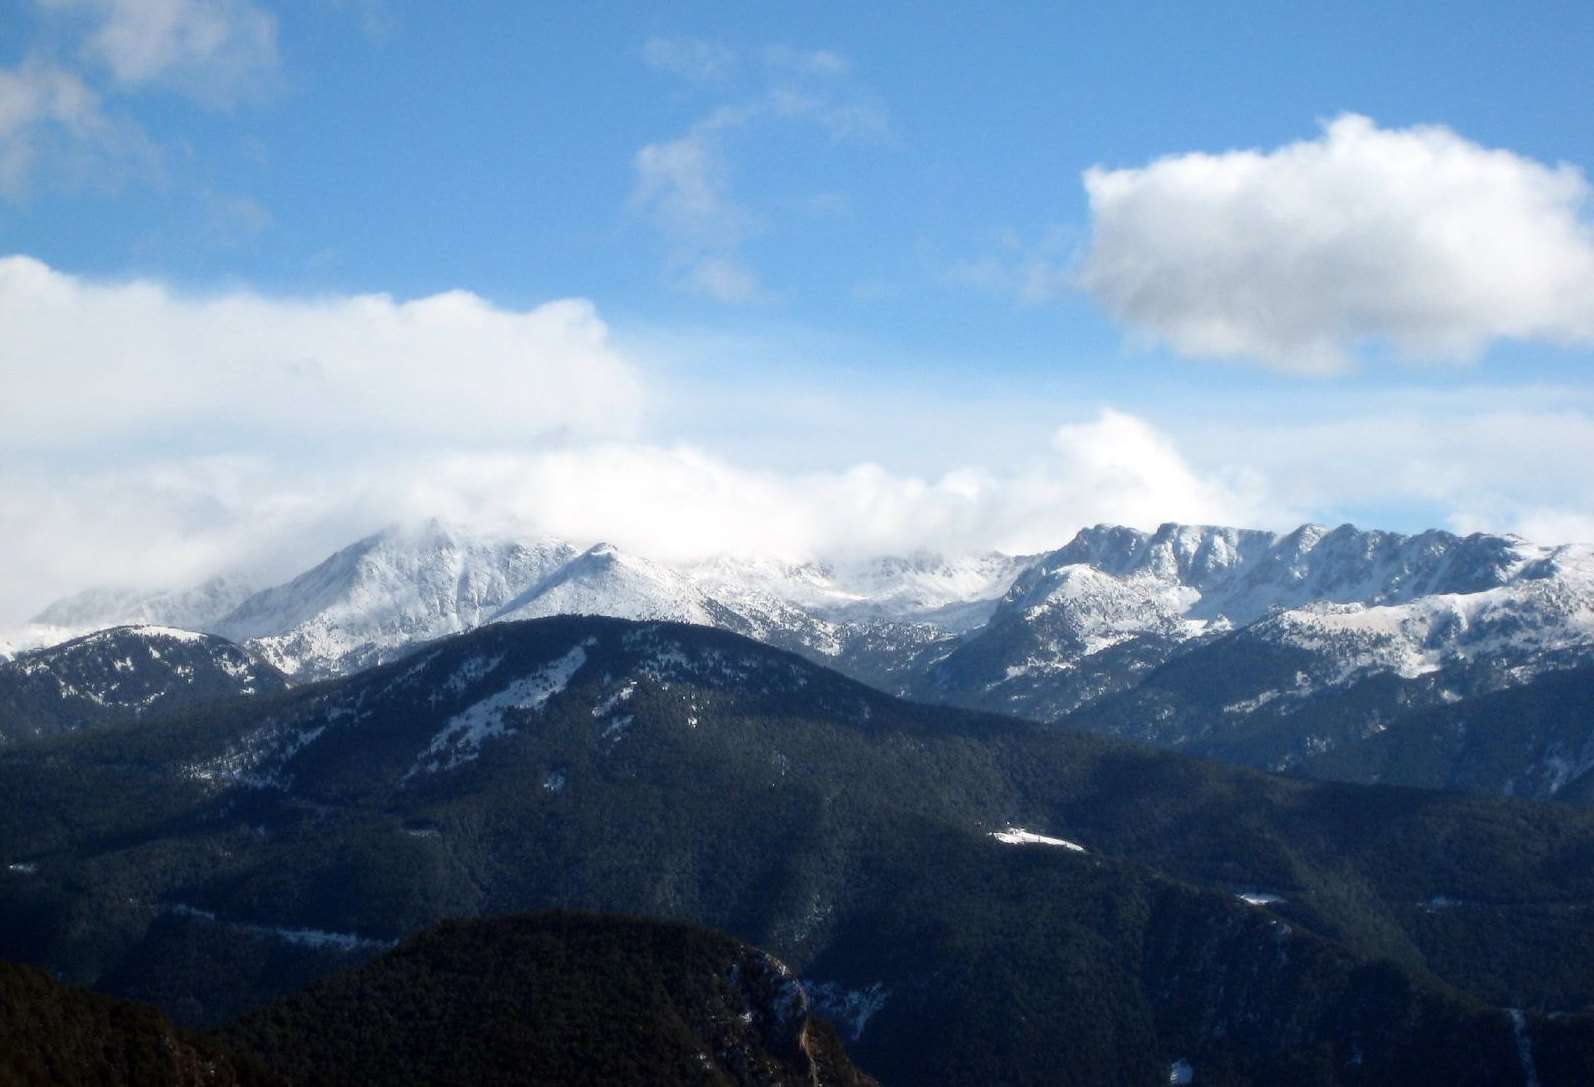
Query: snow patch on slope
point(1020, 836)
point(461, 738)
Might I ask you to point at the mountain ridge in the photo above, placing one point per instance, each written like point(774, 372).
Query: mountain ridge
point(1369, 625)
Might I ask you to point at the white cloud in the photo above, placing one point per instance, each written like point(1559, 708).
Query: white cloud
point(690, 58)
point(857, 119)
point(151, 437)
point(50, 119)
point(146, 519)
point(1413, 237)
point(683, 184)
point(682, 187)
point(1030, 271)
point(214, 50)
point(821, 63)
point(83, 361)
point(1488, 459)
point(130, 512)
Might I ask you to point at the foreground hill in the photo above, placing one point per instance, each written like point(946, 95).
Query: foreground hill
point(56, 1034)
point(123, 674)
point(1259, 929)
point(557, 999)
point(560, 1000)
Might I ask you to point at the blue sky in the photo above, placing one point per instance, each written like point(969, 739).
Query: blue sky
point(812, 245)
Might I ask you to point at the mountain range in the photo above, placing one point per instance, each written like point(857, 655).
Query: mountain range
point(1287, 652)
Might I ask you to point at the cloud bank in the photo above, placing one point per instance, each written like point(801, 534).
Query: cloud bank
point(1295, 257)
point(154, 437)
point(151, 438)
point(157, 521)
point(83, 362)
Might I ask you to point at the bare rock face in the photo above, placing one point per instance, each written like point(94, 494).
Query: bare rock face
point(767, 1041)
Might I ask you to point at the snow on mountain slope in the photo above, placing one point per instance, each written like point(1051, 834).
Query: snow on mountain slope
point(373, 599)
point(956, 594)
point(1040, 637)
point(124, 673)
point(1544, 606)
point(1239, 575)
point(606, 581)
point(461, 737)
point(1099, 614)
point(443, 708)
point(189, 609)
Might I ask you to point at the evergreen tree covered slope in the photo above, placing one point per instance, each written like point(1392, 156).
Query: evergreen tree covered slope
point(558, 999)
point(1536, 740)
point(220, 859)
point(56, 1034)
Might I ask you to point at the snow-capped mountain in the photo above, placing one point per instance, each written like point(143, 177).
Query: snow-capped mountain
point(122, 674)
point(1530, 607)
point(375, 598)
point(1250, 646)
point(1098, 615)
point(200, 607)
point(956, 594)
point(604, 580)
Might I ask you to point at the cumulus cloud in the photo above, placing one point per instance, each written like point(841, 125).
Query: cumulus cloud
point(83, 361)
point(217, 51)
point(1416, 238)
